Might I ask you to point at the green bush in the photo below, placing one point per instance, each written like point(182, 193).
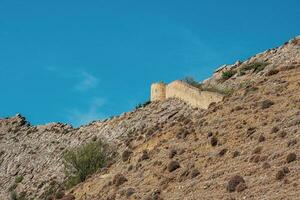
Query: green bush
point(85, 160)
point(228, 74)
point(19, 179)
point(13, 195)
point(255, 66)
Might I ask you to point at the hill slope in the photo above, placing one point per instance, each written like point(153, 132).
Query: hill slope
point(254, 133)
point(178, 152)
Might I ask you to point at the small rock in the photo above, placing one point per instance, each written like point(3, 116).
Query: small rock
point(282, 134)
point(213, 141)
point(235, 154)
point(286, 170)
point(272, 72)
point(129, 192)
point(145, 156)
point(182, 133)
point(291, 157)
point(275, 129)
point(266, 104)
point(223, 152)
point(292, 142)
point(194, 173)
point(241, 187)
point(234, 182)
point(250, 131)
point(209, 134)
point(261, 138)
point(173, 165)
point(172, 153)
point(126, 155)
point(119, 179)
point(280, 175)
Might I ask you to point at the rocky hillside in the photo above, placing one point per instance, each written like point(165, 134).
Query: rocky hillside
point(246, 147)
point(33, 153)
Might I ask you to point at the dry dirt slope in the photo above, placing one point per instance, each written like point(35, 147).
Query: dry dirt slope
point(35, 152)
point(254, 133)
point(172, 151)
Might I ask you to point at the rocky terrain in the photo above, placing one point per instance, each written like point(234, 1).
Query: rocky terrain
point(246, 147)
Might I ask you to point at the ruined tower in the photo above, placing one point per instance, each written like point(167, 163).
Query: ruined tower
point(158, 92)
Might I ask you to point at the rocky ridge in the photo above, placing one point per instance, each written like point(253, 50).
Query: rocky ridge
point(246, 147)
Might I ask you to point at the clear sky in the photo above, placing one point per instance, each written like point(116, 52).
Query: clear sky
point(74, 61)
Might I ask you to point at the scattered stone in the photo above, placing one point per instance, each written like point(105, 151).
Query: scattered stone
point(275, 129)
point(129, 192)
point(292, 142)
point(213, 141)
point(266, 165)
point(173, 165)
point(235, 154)
point(145, 156)
point(182, 133)
point(272, 72)
point(130, 167)
point(126, 155)
point(119, 179)
point(172, 153)
point(209, 134)
point(234, 182)
point(194, 173)
point(241, 187)
point(280, 175)
point(286, 170)
point(266, 104)
point(222, 152)
point(261, 138)
point(282, 134)
point(250, 131)
point(291, 157)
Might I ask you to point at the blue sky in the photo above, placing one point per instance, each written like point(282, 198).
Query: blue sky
point(76, 61)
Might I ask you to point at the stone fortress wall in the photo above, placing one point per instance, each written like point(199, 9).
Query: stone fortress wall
point(158, 91)
point(182, 90)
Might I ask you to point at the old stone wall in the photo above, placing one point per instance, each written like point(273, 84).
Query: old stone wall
point(191, 95)
point(158, 92)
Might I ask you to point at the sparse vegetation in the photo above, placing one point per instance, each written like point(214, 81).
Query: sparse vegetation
point(19, 179)
point(84, 161)
point(52, 189)
point(142, 105)
point(12, 187)
point(193, 82)
point(13, 195)
point(228, 74)
point(255, 66)
point(225, 91)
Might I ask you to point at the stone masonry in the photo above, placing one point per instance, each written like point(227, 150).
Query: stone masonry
point(186, 92)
